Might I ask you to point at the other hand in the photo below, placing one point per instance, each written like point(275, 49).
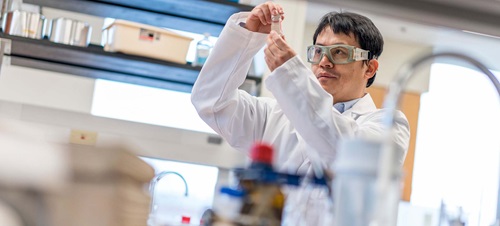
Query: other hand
point(260, 17)
point(277, 51)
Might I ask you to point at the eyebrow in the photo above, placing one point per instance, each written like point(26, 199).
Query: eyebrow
point(338, 43)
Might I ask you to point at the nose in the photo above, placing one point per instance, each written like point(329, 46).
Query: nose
point(325, 62)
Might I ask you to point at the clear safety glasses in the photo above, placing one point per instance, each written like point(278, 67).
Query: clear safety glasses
point(337, 54)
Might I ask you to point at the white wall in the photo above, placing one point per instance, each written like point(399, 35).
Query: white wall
point(145, 140)
point(45, 88)
point(394, 56)
point(61, 102)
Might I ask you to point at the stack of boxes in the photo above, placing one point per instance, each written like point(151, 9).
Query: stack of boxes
point(108, 187)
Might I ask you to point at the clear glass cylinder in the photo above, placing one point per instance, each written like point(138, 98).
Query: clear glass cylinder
point(356, 195)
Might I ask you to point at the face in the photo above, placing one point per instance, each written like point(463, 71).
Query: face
point(343, 81)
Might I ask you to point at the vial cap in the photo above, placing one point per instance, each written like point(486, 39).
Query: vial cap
point(261, 152)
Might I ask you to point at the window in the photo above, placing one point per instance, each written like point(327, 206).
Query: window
point(171, 203)
point(457, 150)
point(146, 105)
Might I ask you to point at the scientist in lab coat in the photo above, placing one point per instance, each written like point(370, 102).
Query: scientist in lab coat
point(314, 107)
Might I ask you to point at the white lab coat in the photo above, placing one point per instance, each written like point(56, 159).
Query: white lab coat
point(300, 122)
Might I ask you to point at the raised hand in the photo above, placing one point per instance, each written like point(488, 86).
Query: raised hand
point(260, 17)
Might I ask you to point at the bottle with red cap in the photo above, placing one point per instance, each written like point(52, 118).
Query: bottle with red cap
point(265, 200)
point(262, 156)
point(258, 194)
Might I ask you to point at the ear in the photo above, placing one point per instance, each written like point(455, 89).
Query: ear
point(371, 69)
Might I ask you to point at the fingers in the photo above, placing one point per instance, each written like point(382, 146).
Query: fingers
point(266, 10)
point(266, 15)
point(261, 16)
point(276, 40)
point(277, 51)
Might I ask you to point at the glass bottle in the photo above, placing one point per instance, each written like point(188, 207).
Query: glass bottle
point(203, 48)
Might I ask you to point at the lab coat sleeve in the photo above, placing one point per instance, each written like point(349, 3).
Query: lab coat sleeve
point(309, 108)
point(373, 127)
point(232, 113)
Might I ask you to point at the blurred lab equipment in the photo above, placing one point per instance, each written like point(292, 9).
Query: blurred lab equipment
point(229, 203)
point(203, 49)
point(59, 184)
point(70, 32)
point(152, 188)
point(355, 186)
point(23, 23)
point(316, 192)
point(258, 199)
point(387, 165)
point(450, 215)
point(5, 6)
point(9, 215)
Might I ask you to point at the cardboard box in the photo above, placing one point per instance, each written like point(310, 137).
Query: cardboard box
point(145, 40)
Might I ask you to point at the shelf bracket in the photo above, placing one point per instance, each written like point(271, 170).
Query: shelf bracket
point(5, 49)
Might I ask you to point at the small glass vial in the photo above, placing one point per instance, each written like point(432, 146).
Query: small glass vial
point(276, 23)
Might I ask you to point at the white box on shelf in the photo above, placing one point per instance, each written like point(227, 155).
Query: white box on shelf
point(145, 40)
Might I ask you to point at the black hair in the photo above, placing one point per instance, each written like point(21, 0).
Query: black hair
point(365, 32)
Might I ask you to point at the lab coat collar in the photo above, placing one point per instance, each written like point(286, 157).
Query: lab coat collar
point(363, 106)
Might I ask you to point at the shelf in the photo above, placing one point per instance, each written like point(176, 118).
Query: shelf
point(197, 16)
point(94, 62)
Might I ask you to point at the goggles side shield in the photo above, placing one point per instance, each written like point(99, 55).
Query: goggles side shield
point(337, 54)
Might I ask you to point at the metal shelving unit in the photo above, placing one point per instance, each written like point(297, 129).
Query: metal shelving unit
point(197, 16)
point(94, 62)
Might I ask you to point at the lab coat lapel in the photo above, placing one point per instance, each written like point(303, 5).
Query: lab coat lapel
point(364, 106)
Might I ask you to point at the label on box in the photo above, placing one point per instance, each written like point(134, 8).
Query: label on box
point(148, 35)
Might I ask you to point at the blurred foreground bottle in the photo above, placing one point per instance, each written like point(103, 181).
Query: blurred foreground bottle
point(203, 48)
point(355, 192)
point(258, 199)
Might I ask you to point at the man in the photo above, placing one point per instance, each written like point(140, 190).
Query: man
point(312, 109)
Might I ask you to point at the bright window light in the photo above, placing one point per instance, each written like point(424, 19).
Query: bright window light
point(146, 105)
point(171, 203)
point(457, 150)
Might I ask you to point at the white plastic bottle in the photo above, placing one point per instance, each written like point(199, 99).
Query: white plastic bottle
point(229, 204)
point(203, 48)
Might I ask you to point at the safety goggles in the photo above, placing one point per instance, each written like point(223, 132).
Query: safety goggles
point(337, 54)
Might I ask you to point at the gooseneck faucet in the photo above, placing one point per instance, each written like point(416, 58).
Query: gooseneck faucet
point(391, 102)
point(152, 189)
